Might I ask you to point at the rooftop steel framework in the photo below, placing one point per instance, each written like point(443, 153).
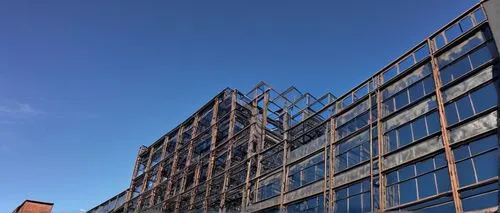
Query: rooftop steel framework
point(434, 109)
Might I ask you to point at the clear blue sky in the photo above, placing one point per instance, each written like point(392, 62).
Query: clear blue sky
point(84, 83)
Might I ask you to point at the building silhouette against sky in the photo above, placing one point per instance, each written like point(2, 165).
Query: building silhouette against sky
point(420, 134)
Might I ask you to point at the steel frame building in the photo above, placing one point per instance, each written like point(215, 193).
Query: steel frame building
point(419, 135)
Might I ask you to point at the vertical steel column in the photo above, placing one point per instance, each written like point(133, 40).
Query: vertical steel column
point(260, 144)
point(232, 121)
point(381, 148)
point(160, 168)
point(371, 146)
point(212, 152)
point(332, 125)
point(145, 179)
point(285, 156)
point(250, 151)
point(194, 131)
point(134, 174)
point(444, 133)
point(174, 163)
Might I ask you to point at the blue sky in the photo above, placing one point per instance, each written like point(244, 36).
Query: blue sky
point(84, 83)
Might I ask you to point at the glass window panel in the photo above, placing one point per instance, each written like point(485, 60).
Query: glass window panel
point(453, 32)
point(441, 208)
point(355, 203)
point(419, 128)
point(464, 108)
point(308, 175)
point(342, 162)
point(391, 140)
point(416, 91)
point(341, 193)
point(479, 15)
point(486, 166)
point(455, 70)
point(422, 53)
point(406, 63)
point(404, 135)
point(392, 197)
point(429, 85)
point(483, 144)
point(466, 24)
point(426, 185)
point(440, 160)
point(433, 123)
point(353, 156)
point(461, 152)
point(480, 56)
point(443, 180)
point(484, 98)
point(439, 40)
point(459, 50)
point(355, 189)
point(365, 151)
point(465, 173)
point(425, 166)
point(390, 73)
point(406, 172)
point(389, 105)
point(341, 206)
point(482, 201)
point(392, 178)
point(366, 202)
point(401, 99)
point(375, 147)
point(451, 113)
point(408, 191)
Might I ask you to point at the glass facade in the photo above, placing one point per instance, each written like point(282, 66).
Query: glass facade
point(419, 135)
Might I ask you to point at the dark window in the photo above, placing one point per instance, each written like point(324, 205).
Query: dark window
point(416, 91)
point(455, 70)
point(401, 99)
point(354, 198)
point(404, 135)
point(451, 113)
point(476, 159)
point(429, 85)
point(479, 15)
point(480, 197)
point(466, 23)
point(391, 140)
point(484, 98)
point(312, 205)
point(422, 53)
point(405, 185)
point(433, 123)
point(306, 172)
point(464, 108)
point(419, 129)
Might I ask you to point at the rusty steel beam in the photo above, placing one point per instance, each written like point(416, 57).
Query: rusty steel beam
point(160, 168)
point(134, 174)
point(232, 122)
point(250, 151)
point(381, 149)
point(444, 133)
point(145, 179)
point(213, 141)
point(332, 125)
point(371, 150)
point(285, 155)
point(174, 163)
